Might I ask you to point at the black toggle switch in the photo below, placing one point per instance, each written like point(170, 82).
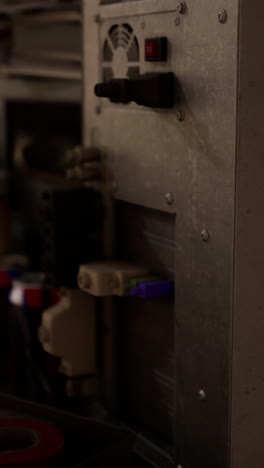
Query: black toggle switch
point(149, 90)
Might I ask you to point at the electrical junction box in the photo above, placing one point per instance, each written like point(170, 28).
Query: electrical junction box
point(189, 197)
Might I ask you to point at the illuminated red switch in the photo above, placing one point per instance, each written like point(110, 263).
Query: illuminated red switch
point(156, 49)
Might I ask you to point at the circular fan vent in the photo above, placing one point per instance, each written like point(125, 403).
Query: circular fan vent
point(120, 53)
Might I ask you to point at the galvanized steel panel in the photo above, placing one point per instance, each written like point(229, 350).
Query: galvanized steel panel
point(150, 153)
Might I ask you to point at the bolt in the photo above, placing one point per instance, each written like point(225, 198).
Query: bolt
point(177, 21)
point(202, 395)
point(181, 7)
point(222, 16)
point(169, 198)
point(205, 235)
point(180, 115)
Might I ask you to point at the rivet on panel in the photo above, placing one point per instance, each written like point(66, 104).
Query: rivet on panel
point(205, 235)
point(181, 7)
point(177, 21)
point(180, 115)
point(169, 198)
point(222, 16)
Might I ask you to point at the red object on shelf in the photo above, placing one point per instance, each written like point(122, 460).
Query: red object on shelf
point(29, 299)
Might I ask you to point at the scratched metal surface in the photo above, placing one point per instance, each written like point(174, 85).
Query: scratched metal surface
point(145, 359)
point(150, 154)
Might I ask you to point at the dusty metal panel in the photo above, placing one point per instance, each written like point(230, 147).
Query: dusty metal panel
point(151, 153)
point(159, 164)
point(145, 349)
point(204, 269)
point(248, 345)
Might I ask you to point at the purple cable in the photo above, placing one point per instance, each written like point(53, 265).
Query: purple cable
point(153, 289)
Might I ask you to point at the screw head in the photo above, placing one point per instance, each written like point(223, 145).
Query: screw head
point(180, 115)
point(181, 7)
point(169, 198)
point(202, 395)
point(205, 235)
point(177, 21)
point(222, 16)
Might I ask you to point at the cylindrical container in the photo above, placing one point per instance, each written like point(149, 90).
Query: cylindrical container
point(11, 267)
point(50, 389)
point(14, 264)
point(32, 374)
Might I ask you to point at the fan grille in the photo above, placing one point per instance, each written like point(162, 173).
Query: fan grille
point(121, 36)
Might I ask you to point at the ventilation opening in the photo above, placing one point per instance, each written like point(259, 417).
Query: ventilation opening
point(121, 37)
point(107, 53)
point(133, 52)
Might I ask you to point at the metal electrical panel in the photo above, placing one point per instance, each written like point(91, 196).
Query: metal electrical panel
point(197, 167)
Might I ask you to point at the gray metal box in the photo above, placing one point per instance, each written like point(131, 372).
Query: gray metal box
point(207, 171)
